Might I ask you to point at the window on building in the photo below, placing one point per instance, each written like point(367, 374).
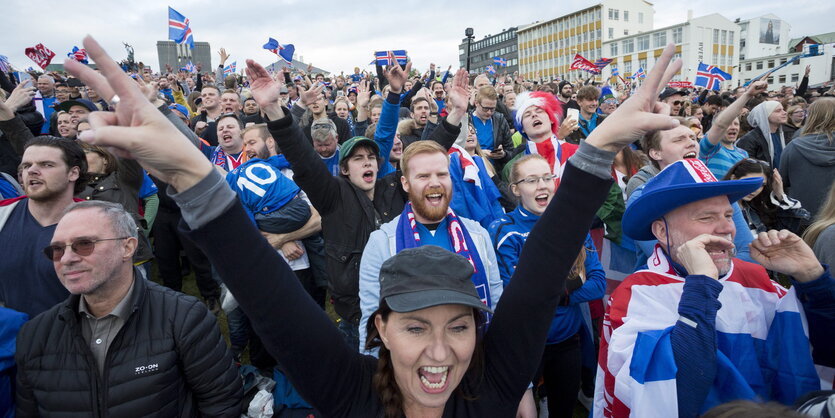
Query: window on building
point(640, 17)
point(796, 62)
point(613, 49)
point(677, 35)
point(741, 56)
point(628, 46)
point(716, 36)
point(782, 61)
point(742, 42)
point(611, 33)
point(599, 34)
point(770, 63)
point(642, 63)
point(617, 12)
point(722, 59)
point(626, 15)
point(715, 60)
point(795, 77)
point(771, 80)
point(627, 67)
point(626, 32)
point(659, 39)
point(730, 37)
point(781, 79)
point(643, 43)
point(724, 37)
point(759, 65)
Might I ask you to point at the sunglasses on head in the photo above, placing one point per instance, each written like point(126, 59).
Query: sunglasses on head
point(81, 246)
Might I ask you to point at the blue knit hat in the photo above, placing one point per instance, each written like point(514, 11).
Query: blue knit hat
point(682, 182)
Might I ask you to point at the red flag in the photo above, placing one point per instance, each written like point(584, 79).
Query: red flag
point(41, 55)
point(581, 63)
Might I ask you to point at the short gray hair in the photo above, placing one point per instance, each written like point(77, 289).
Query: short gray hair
point(122, 221)
point(322, 129)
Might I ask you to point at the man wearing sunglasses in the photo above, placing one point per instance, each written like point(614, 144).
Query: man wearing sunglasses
point(674, 98)
point(138, 336)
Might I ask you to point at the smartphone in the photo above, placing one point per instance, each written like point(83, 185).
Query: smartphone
point(573, 114)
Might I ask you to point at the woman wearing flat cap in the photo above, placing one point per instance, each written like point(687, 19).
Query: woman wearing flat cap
point(436, 357)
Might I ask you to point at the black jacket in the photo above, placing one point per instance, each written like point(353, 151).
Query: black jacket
point(348, 215)
point(168, 360)
point(579, 135)
point(501, 136)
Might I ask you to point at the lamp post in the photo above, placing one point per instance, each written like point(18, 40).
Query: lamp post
point(469, 34)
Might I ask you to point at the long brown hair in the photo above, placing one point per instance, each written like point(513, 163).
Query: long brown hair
point(825, 219)
point(384, 380)
point(821, 119)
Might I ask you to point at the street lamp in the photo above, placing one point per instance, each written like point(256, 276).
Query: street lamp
point(469, 34)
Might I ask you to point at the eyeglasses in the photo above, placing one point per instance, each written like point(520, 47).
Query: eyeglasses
point(487, 109)
point(678, 102)
point(535, 180)
point(82, 247)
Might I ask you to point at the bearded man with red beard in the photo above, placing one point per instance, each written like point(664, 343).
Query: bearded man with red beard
point(427, 220)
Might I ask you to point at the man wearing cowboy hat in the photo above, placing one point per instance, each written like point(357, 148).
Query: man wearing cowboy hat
point(697, 327)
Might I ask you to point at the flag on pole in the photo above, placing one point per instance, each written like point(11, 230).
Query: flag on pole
point(602, 62)
point(639, 74)
point(580, 63)
point(390, 57)
point(490, 69)
point(79, 55)
point(615, 72)
point(40, 54)
point(284, 51)
point(178, 28)
point(231, 68)
point(501, 62)
point(5, 66)
point(710, 77)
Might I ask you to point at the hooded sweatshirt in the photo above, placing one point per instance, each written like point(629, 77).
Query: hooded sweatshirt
point(808, 169)
point(760, 143)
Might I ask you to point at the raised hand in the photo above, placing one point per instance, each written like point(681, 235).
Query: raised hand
point(756, 88)
point(306, 97)
point(567, 128)
point(641, 113)
point(777, 185)
point(265, 90)
point(223, 56)
point(458, 97)
point(21, 96)
point(397, 76)
point(362, 94)
point(137, 129)
point(784, 252)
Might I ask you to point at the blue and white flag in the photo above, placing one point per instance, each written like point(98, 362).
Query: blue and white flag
point(615, 72)
point(501, 62)
point(178, 28)
point(5, 66)
point(285, 51)
point(639, 74)
point(710, 77)
point(231, 68)
point(490, 69)
point(190, 67)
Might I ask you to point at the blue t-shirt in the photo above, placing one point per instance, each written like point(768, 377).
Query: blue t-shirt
point(28, 282)
point(440, 238)
point(332, 163)
point(261, 186)
point(778, 149)
point(356, 78)
point(484, 132)
point(718, 158)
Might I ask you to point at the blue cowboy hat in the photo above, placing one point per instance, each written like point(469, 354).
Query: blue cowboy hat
point(685, 181)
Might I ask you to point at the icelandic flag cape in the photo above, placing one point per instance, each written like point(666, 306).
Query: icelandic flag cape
point(763, 350)
point(555, 151)
point(474, 195)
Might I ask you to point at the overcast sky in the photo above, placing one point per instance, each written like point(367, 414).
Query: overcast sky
point(332, 37)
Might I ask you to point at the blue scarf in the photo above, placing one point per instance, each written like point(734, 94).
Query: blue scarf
point(407, 236)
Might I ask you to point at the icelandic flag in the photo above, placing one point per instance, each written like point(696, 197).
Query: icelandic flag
point(284, 51)
point(501, 62)
point(602, 62)
point(178, 28)
point(5, 66)
point(231, 68)
point(190, 67)
point(640, 73)
point(79, 55)
point(710, 77)
point(490, 69)
point(390, 57)
point(615, 72)
point(474, 193)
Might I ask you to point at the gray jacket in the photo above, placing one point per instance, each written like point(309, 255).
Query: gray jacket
point(808, 169)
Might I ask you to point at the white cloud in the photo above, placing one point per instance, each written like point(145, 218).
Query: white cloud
point(334, 36)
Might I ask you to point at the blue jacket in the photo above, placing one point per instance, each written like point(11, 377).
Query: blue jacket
point(509, 234)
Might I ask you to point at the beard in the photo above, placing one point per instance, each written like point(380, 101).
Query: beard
point(430, 213)
point(722, 263)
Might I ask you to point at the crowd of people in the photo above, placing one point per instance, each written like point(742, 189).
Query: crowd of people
point(405, 243)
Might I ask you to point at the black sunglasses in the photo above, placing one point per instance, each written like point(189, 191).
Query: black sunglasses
point(82, 247)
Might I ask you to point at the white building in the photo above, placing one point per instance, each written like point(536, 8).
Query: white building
point(763, 36)
point(820, 71)
point(709, 39)
point(547, 48)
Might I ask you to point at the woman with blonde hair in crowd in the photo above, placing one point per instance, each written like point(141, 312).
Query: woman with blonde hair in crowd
point(797, 115)
point(821, 234)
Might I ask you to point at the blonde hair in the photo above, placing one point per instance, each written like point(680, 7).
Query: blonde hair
point(825, 219)
point(821, 118)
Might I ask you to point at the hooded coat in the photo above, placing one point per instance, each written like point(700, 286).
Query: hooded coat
point(757, 142)
point(808, 168)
